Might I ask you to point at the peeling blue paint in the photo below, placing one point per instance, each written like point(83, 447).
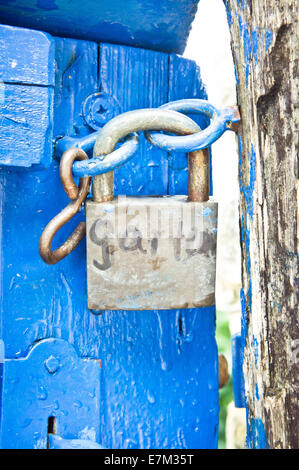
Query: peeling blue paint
point(207, 211)
point(235, 70)
point(240, 24)
point(254, 343)
point(268, 38)
point(248, 190)
point(255, 45)
point(257, 392)
point(256, 436)
point(247, 51)
point(229, 13)
point(244, 322)
point(245, 235)
point(242, 3)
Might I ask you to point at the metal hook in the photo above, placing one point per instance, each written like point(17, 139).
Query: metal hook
point(77, 195)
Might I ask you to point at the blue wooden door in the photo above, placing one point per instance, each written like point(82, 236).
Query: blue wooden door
point(125, 379)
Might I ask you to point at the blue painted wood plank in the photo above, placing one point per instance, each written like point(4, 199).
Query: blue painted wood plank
point(50, 382)
point(148, 24)
point(26, 96)
point(57, 442)
point(137, 78)
point(26, 56)
point(76, 77)
point(159, 381)
point(184, 82)
point(25, 125)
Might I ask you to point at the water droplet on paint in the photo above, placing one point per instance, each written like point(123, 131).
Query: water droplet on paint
point(150, 398)
point(42, 393)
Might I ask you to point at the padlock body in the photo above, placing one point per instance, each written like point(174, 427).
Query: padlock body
point(148, 253)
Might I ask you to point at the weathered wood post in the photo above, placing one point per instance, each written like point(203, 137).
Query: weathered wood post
point(264, 41)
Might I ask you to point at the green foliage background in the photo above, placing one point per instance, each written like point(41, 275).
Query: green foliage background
point(223, 338)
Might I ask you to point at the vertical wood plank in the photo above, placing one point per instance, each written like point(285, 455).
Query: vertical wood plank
point(27, 56)
point(265, 49)
point(76, 77)
point(137, 78)
point(26, 120)
point(26, 97)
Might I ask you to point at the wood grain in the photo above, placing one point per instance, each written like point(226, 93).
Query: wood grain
point(265, 49)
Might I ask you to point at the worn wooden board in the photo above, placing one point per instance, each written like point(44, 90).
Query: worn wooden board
point(27, 56)
point(136, 78)
point(26, 125)
point(265, 49)
point(26, 97)
point(76, 78)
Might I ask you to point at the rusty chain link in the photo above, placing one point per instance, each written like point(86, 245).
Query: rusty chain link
point(77, 195)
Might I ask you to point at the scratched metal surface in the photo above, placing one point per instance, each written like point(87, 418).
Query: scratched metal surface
point(152, 24)
point(146, 253)
point(159, 378)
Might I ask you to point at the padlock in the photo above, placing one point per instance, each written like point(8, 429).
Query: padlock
point(144, 252)
point(147, 253)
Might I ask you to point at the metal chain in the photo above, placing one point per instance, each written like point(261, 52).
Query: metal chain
point(166, 118)
point(221, 120)
point(124, 124)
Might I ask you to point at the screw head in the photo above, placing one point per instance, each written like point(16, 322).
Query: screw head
point(52, 364)
point(98, 109)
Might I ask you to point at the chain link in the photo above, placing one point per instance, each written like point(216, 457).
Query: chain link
point(167, 118)
point(77, 195)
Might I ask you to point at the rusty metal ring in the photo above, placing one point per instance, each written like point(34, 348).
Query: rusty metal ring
point(78, 196)
point(66, 171)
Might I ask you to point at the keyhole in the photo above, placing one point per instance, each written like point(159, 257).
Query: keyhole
point(52, 425)
point(52, 428)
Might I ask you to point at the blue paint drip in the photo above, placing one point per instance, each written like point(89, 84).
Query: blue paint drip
point(257, 392)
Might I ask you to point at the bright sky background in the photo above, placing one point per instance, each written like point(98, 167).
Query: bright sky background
point(209, 46)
